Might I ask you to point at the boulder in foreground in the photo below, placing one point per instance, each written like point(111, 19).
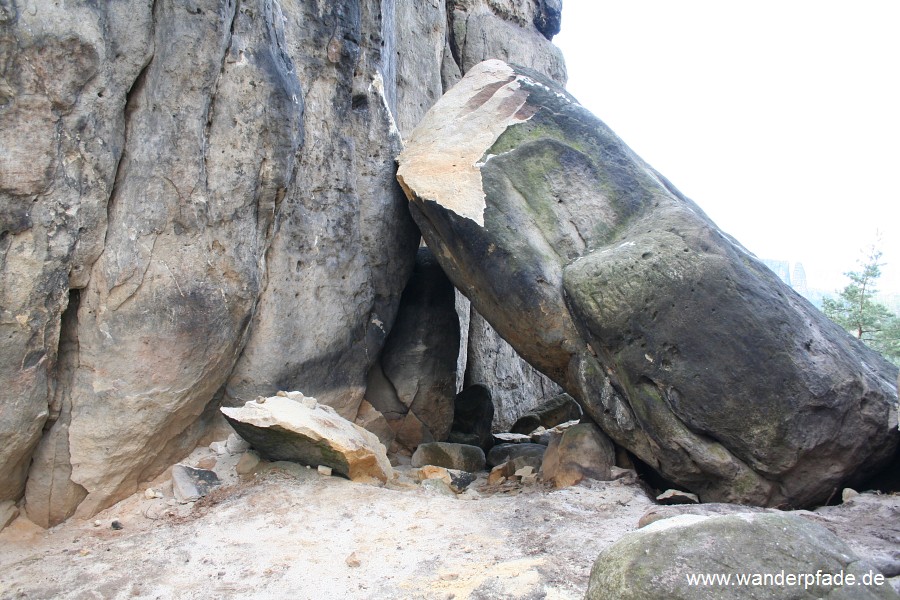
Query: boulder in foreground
point(296, 428)
point(665, 560)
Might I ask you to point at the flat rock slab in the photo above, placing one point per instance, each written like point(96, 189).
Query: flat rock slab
point(298, 429)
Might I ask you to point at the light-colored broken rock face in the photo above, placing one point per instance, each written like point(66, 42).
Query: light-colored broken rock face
point(299, 429)
point(487, 101)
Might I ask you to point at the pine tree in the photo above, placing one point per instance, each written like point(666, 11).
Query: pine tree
point(856, 310)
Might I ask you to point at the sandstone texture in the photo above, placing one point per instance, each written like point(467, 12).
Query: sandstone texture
point(683, 347)
point(458, 457)
point(654, 562)
point(198, 206)
point(299, 429)
point(869, 523)
point(582, 451)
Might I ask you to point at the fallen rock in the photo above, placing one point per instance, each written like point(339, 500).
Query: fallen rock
point(302, 431)
point(657, 562)
point(518, 468)
point(460, 457)
point(670, 497)
point(506, 452)
point(235, 444)
point(458, 481)
point(511, 438)
point(247, 463)
point(682, 346)
point(419, 360)
point(552, 412)
point(869, 524)
point(473, 415)
point(190, 484)
point(438, 487)
point(582, 451)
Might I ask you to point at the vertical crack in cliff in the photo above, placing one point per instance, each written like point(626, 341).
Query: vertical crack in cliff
point(132, 97)
point(211, 103)
point(456, 50)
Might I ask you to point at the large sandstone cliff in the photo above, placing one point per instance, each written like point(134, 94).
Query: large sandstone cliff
point(198, 206)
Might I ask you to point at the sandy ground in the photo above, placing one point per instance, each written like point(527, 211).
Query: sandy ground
point(289, 532)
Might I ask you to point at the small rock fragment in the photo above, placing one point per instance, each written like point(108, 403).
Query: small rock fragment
point(352, 560)
point(98, 523)
point(848, 494)
point(323, 470)
point(219, 448)
point(116, 524)
point(671, 497)
point(150, 494)
point(524, 471)
point(189, 484)
point(437, 486)
point(235, 444)
point(247, 463)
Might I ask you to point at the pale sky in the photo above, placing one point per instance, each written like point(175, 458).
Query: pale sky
point(781, 119)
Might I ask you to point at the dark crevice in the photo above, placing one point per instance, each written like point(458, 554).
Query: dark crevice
point(131, 106)
point(211, 105)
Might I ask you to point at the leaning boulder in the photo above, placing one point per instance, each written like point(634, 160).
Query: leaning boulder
point(298, 429)
point(685, 349)
point(667, 559)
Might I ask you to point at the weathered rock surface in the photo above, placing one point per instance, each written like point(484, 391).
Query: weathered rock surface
point(414, 384)
point(473, 415)
point(506, 452)
point(869, 524)
point(655, 562)
point(459, 457)
point(681, 345)
point(559, 409)
point(299, 429)
point(675, 497)
point(190, 484)
point(516, 387)
point(198, 203)
point(581, 452)
point(456, 480)
point(517, 32)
